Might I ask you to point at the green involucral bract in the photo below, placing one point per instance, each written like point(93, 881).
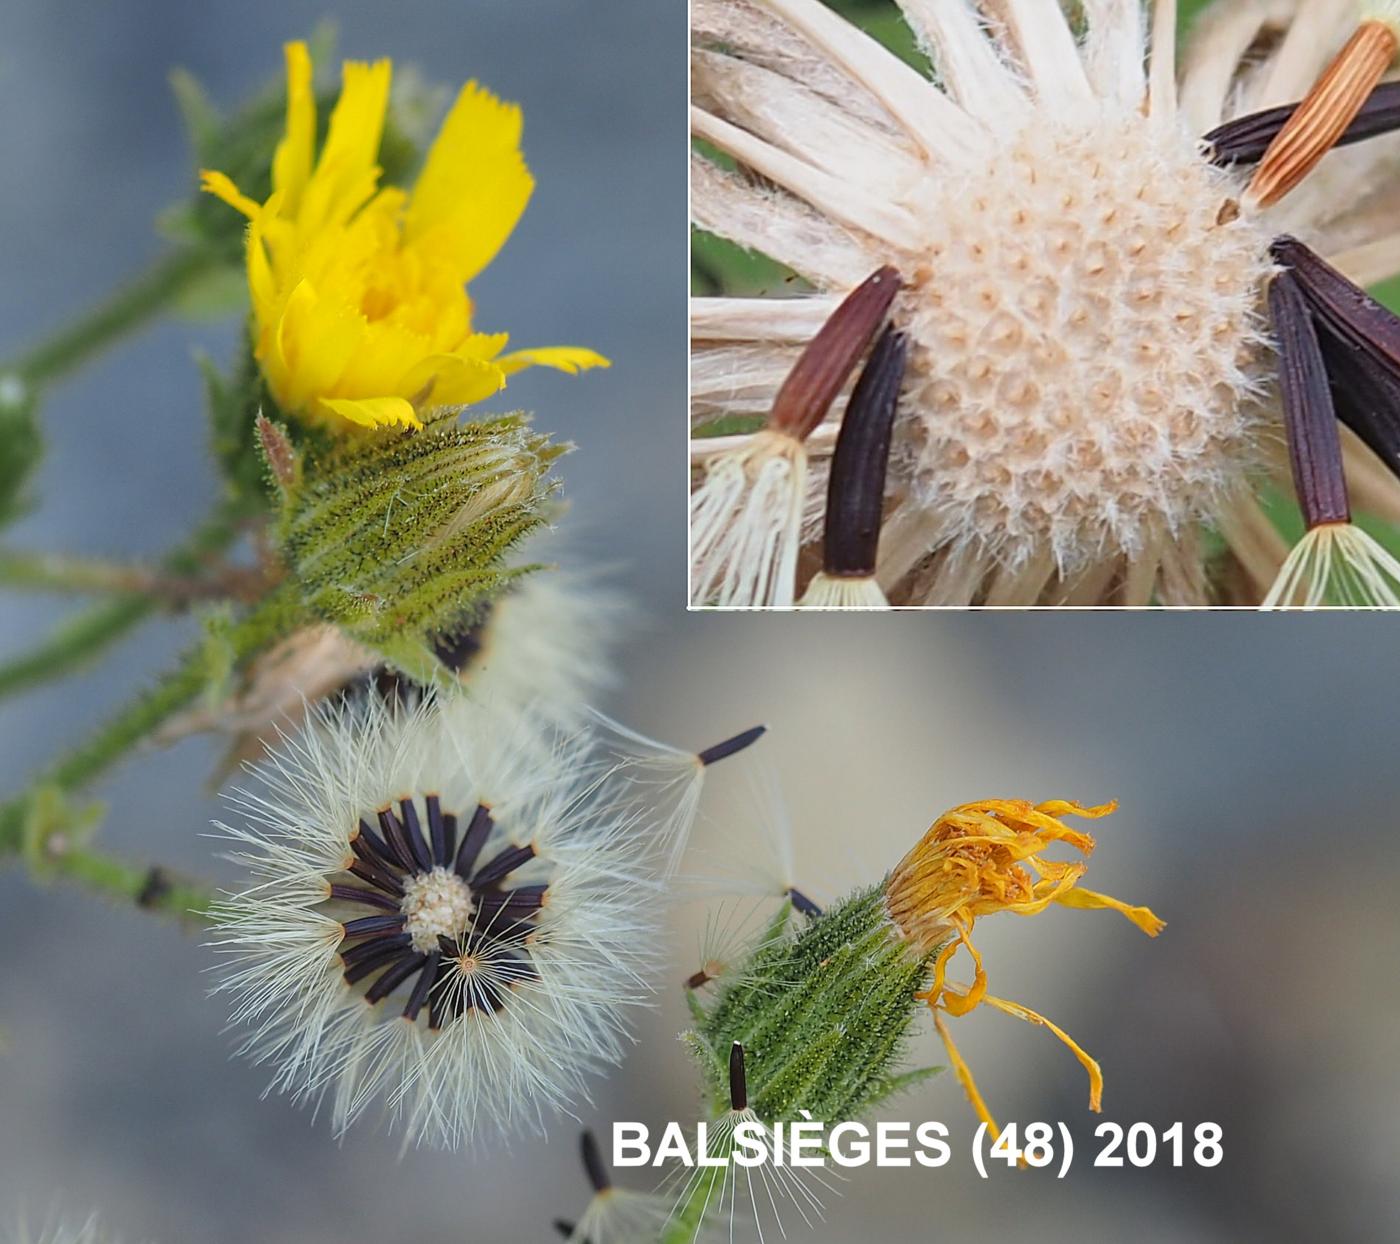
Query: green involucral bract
point(398, 537)
point(823, 1008)
point(823, 1011)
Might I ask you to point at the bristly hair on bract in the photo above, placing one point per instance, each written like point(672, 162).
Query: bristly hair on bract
point(450, 910)
point(1084, 227)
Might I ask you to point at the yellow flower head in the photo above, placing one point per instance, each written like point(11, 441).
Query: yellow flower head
point(359, 296)
point(984, 858)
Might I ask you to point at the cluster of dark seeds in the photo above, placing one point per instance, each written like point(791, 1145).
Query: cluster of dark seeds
point(503, 915)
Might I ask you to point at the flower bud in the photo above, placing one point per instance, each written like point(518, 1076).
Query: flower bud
point(396, 538)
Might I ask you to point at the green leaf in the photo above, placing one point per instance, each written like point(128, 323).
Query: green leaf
point(201, 119)
point(21, 448)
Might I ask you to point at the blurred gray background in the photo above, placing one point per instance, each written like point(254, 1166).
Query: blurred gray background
point(1254, 757)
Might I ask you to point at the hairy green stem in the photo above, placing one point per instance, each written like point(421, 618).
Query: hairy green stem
point(132, 725)
point(76, 642)
point(200, 672)
point(266, 624)
point(60, 573)
point(126, 309)
point(148, 887)
point(86, 636)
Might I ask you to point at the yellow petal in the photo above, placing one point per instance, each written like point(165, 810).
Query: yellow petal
point(347, 172)
point(486, 346)
point(222, 187)
point(474, 185)
point(955, 1001)
point(357, 121)
point(466, 381)
point(316, 338)
point(1032, 825)
point(330, 200)
point(291, 164)
point(1089, 900)
point(262, 284)
point(1046, 892)
point(940, 973)
point(1067, 807)
point(1089, 1064)
point(372, 412)
point(571, 359)
point(451, 380)
point(964, 1074)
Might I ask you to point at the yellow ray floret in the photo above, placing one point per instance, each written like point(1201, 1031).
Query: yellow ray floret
point(983, 858)
point(360, 307)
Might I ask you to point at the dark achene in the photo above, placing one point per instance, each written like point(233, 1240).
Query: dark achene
point(856, 490)
point(502, 915)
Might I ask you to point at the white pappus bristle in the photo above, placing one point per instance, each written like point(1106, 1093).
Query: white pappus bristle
point(547, 645)
point(61, 1231)
point(1336, 564)
point(735, 1196)
point(843, 592)
point(619, 1216)
point(746, 524)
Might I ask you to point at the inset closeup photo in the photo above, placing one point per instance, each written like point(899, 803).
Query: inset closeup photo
point(1027, 303)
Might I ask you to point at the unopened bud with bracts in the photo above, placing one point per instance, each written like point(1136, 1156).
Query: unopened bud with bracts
point(823, 1007)
point(396, 538)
